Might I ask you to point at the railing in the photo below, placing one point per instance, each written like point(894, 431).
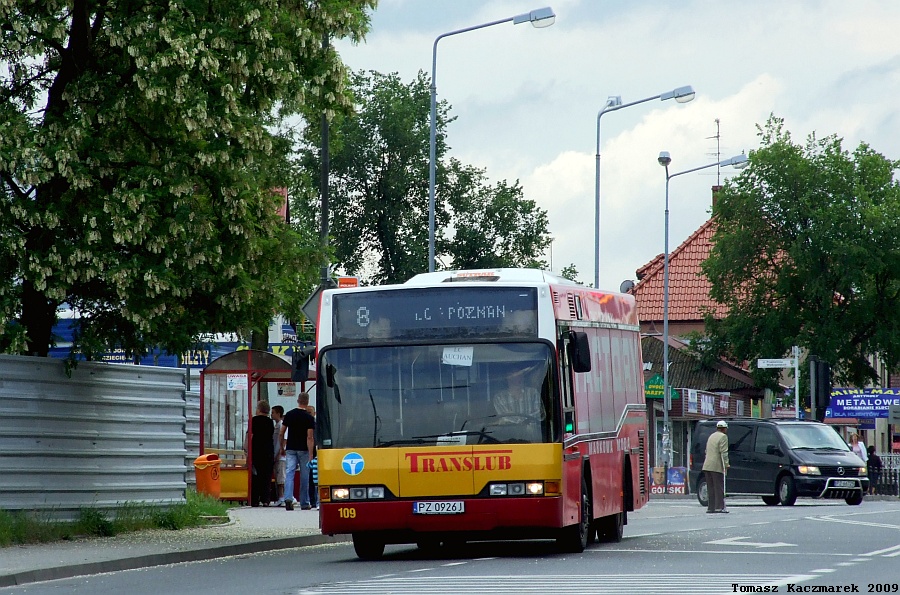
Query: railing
point(888, 483)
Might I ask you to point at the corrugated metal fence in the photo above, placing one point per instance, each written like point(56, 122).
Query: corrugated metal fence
point(107, 435)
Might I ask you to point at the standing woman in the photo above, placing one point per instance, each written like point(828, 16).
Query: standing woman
point(262, 457)
point(858, 447)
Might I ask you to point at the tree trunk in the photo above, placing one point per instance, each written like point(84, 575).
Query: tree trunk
point(38, 318)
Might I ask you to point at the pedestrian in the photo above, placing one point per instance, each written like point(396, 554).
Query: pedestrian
point(280, 459)
point(873, 463)
point(262, 430)
point(313, 469)
point(715, 466)
point(297, 444)
point(858, 447)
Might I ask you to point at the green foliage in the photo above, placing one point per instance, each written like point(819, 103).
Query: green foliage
point(805, 254)
point(24, 528)
point(137, 158)
point(570, 272)
point(379, 163)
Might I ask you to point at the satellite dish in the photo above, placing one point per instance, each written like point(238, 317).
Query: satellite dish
point(626, 286)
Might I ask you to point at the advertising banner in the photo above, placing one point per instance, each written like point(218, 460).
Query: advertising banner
point(862, 402)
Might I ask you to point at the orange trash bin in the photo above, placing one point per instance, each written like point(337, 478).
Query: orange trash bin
point(206, 470)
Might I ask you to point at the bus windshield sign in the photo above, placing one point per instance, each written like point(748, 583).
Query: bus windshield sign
point(435, 313)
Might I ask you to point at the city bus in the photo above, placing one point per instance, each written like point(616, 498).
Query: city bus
point(479, 405)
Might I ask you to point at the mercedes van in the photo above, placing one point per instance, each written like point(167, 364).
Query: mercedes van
point(781, 460)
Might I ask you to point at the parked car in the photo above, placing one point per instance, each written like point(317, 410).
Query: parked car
point(781, 460)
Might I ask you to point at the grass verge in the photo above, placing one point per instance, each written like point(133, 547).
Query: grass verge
point(20, 528)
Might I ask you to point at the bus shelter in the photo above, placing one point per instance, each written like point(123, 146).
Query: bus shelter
point(230, 388)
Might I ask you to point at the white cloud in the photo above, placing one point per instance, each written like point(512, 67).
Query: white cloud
point(527, 99)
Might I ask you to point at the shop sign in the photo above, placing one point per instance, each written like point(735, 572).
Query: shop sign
point(653, 389)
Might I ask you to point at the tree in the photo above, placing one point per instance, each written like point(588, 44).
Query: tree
point(805, 253)
point(137, 158)
point(570, 272)
point(379, 158)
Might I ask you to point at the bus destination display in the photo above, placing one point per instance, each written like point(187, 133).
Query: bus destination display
point(442, 313)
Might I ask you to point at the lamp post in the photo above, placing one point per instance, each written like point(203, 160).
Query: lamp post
point(542, 17)
point(614, 103)
point(739, 162)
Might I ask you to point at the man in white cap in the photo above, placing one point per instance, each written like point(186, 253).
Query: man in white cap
point(715, 466)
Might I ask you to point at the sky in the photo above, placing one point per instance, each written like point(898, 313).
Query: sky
point(527, 100)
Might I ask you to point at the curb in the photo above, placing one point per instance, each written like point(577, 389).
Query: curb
point(149, 560)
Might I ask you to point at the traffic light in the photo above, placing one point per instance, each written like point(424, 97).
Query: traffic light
point(300, 362)
point(823, 385)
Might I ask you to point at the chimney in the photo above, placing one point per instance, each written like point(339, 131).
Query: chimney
point(715, 194)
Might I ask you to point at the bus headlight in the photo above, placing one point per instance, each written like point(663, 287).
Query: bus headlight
point(809, 470)
point(863, 471)
point(358, 493)
point(523, 488)
point(535, 488)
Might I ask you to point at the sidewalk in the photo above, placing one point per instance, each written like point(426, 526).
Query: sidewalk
point(249, 530)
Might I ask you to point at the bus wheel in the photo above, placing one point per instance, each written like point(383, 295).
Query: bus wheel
point(368, 547)
point(611, 528)
point(429, 545)
point(574, 538)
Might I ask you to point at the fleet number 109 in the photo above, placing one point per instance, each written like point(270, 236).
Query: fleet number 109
point(347, 513)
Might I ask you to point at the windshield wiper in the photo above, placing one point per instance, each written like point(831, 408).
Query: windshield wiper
point(419, 440)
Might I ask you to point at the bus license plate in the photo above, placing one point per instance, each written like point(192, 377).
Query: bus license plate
point(844, 483)
point(448, 507)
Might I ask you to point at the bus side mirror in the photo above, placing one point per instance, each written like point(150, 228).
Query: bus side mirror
point(300, 362)
point(579, 351)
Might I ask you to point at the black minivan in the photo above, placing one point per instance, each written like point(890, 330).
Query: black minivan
point(781, 460)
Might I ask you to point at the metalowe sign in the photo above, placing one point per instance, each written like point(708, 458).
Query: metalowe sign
point(863, 402)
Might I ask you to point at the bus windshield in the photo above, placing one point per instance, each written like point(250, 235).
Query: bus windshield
point(434, 395)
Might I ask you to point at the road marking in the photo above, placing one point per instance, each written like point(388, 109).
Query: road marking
point(604, 584)
point(742, 552)
point(739, 541)
point(831, 519)
point(454, 564)
point(884, 551)
point(823, 570)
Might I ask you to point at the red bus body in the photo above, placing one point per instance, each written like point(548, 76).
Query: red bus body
point(385, 479)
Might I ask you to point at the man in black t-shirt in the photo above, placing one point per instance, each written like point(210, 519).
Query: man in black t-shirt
point(297, 444)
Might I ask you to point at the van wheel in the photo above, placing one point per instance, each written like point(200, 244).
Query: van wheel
point(770, 500)
point(787, 491)
point(702, 492)
point(368, 547)
point(854, 500)
point(574, 539)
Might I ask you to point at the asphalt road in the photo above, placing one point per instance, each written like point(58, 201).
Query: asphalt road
point(669, 547)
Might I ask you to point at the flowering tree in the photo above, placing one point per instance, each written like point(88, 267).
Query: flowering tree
point(137, 158)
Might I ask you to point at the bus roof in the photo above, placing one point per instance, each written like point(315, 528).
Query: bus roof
point(489, 275)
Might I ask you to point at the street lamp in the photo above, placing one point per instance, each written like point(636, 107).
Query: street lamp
point(540, 18)
point(738, 162)
point(614, 103)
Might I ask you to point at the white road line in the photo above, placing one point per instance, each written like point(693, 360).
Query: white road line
point(743, 552)
point(607, 584)
point(823, 570)
point(454, 564)
point(831, 519)
point(884, 551)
